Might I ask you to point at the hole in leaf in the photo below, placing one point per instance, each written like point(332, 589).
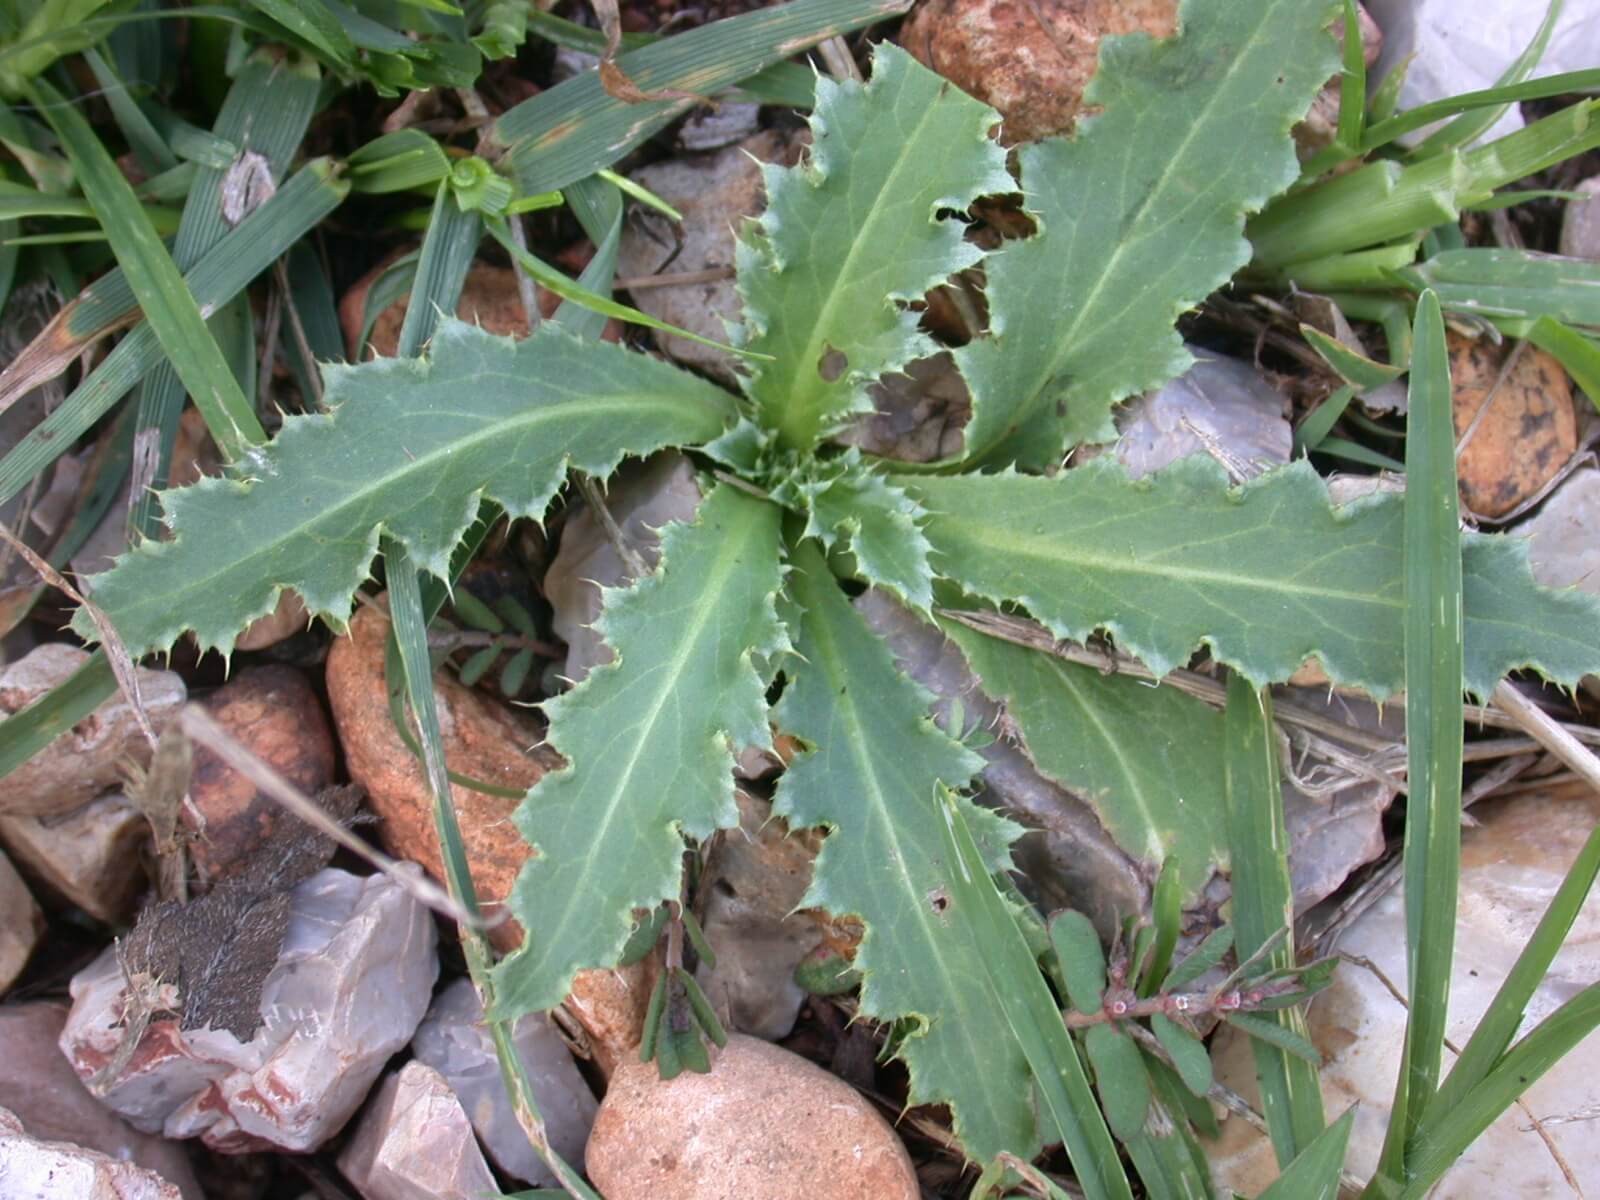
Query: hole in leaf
point(832, 364)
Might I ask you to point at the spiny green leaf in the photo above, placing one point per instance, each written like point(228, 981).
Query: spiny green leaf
point(1147, 760)
point(483, 418)
point(881, 524)
point(1266, 575)
point(1140, 219)
point(871, 777)
point(853, 232)
point(650, 739)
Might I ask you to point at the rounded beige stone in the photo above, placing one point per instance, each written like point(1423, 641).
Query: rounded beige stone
point(765, 1124)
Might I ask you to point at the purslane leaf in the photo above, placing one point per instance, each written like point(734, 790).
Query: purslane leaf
point(1147, 760)
point(871, 776)
point(1140, 220)
point(853, 232)
point(482, 418)
point(650, 739)
point(1266, 575)
point(880, 523)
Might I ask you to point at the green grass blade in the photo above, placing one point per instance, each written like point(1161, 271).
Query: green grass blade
point(1263, 906)
point(1436, 1146)
point(576, 128)
point(447, 253)
point(1434, 662)
point(598, 206)
point(1355, 369)
point(410, 636)
point(1577, 352)
point(1504, 1016)
point(1508, 285)
point(312, 304)
point(1319, 422)
point(1020, 992)
point(1166, 915)
point(401, 161)
point(30, 730)
point(266, 112)
point(1352, 82)
point(147, 144)
point(165, 299)
point(53, 28)
point(575, 293)
point(312, 22)
point(1314, 1175)
point(1381, 133)
point(222, 274)
point(785, 83)
point(1469, 125)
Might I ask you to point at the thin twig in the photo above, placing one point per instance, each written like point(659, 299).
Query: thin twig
point(1027, 633)
point(1548, 732)
point(1380, 882)
point(841, 63)
point(527, 289)
point(301, 341)
point(1360, 960)
point(1483, 405)
point(1034, 636)
point(682, 279)
point(270, 331)
point(636, 565)
point(122, 666)
point(200, 727)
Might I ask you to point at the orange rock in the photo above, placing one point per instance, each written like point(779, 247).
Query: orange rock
point(1527, 431)
point(482, 739)
point(274, 712)
point(611, 1007)
point(765, 1124)
point(289, 618)
point(1030, 59)
point(486, 741)
point(490, 299)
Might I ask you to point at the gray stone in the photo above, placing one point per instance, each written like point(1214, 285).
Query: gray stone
point(21, 924)
point(351, 983)
point(414, 1143)
point(40, 1087)
point(641, 498)
point(1218, 405)
point(1454, 47)
point(91, 855)
point(34, 1169)
point(453, 1041)
point(85, 760)
point(1580, 226)
point(715, 193)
